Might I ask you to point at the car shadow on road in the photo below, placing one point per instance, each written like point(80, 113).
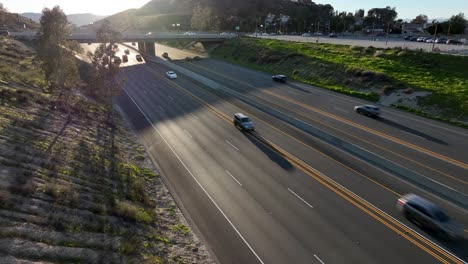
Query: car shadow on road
point(294, 86)
point(410, 130)
point(269, 150)
point(456, 247)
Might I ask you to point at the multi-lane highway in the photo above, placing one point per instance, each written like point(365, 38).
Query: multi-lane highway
point(279, 195)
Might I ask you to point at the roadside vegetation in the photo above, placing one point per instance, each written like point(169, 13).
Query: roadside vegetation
point(364, 72)
point(75, 184)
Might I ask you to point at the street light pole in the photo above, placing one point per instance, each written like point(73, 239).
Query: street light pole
point(435, 33)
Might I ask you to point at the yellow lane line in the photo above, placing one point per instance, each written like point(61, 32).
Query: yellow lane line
point(373, 144)
point(407, 144)
point(340, 190)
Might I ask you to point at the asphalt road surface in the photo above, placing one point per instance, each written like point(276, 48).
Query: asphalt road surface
point(278, 195)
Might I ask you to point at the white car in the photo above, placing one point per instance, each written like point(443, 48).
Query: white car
point(188, 33)
point(171, 75)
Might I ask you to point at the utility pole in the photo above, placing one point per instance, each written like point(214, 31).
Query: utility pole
point(435, 33)
point(388, 28)
point(448, 32)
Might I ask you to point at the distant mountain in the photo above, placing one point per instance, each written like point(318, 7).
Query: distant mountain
point(83, 19)
point(76, 19)
point(34, 16)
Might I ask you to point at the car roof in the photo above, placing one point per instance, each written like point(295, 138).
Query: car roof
point(280, 75)
point(371, 106)
point(415, 199)
point(240, 115)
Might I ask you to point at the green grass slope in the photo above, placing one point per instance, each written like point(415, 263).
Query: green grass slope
point(364, 72)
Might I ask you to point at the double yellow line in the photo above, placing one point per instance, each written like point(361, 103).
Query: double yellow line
point(396, 140)
point(402, 230)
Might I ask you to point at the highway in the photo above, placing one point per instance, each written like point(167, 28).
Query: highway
point(426, 147)
point(278, 195)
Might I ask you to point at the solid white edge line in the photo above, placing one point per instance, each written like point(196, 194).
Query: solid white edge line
point(194, 116)
point(231, 145)
point(339, 109)
point(233, 177)
point(319, 259)
point(188, 133)
point(300, 198)
point(196, 180)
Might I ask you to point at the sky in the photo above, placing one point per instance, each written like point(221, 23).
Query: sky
point(96, 7)
point(406, 8)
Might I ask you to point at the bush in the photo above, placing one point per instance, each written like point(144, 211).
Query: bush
point(402, 53)
point(379, 54)
point(132, 212)
point(388, 89)
point(295, 72)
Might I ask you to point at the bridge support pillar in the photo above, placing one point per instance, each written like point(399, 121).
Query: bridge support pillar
point(141, 47)
point(150, 49)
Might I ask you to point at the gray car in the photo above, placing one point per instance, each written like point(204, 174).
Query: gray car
point(368, 110)
point(243, 121)
point(429, 216)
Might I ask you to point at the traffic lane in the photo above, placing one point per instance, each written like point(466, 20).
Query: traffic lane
point(205, 163)
point(238, 79)
point(437, 168)
point(390, 202)
point(205, 219)
point(440, 170)
point(276, 203)
point(428, 138)
point(329, 100)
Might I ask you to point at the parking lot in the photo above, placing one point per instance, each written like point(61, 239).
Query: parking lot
point(379, 42)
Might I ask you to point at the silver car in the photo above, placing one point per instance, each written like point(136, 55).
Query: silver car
point(428, 215)
point(243, 121)
point(369, 110)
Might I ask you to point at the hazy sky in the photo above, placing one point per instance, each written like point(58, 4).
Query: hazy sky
point(405, 8)
point(97, 7)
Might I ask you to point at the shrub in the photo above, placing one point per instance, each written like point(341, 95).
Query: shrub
point(379, 54)
point(295, 72)
point(402, 53)
point(132, 212)
point(387, 89)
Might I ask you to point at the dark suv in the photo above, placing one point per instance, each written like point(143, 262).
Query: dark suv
point(243, 121)
point(429, 216)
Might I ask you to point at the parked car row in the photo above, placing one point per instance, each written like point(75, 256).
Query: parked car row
point(434, 40)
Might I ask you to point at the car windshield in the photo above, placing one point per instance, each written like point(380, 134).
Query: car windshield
point(171, 72)
point(245, 119)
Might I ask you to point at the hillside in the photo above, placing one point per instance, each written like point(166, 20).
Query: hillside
point(76, 19)
point(16, 22)
point(76, 188)
point(159, 15)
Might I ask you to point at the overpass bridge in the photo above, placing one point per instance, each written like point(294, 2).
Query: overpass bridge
point(145, 41)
